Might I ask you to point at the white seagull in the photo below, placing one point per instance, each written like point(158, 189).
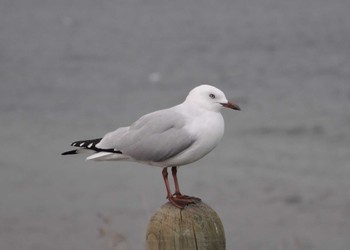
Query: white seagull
point(166, 138)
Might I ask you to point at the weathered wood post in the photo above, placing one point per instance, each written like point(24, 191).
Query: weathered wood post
point(196, 227)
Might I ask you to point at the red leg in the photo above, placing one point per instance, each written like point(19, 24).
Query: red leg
point(177, 188)
point(166, 181)
point(179, 202)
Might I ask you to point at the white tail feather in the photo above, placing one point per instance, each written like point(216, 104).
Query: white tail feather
point(106, 156)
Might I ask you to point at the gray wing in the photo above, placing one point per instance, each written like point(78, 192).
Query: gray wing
point(155, 137)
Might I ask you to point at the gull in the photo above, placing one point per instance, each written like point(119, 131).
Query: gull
point(166, 138)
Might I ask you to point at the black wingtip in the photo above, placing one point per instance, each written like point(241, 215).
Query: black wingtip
point(72, 152)
point(86, 143)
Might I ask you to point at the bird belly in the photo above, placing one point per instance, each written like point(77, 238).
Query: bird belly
point(209, 133)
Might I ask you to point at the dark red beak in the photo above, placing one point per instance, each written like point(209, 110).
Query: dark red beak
point(231, 105)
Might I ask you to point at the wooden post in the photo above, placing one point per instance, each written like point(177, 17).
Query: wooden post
point(196, 227)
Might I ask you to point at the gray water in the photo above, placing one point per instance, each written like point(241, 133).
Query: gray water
point(77, 69)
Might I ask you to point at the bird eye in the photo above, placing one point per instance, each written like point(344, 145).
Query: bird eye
point(212, 96)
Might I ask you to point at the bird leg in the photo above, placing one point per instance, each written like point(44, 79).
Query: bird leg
point(166, 181)
point(177, 188)
point(177, 193)
point(179, 202)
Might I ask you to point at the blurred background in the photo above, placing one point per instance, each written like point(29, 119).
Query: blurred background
point(75, 69)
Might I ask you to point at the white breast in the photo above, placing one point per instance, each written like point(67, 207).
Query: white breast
point(208, 130)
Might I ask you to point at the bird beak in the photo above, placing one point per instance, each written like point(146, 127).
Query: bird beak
point(231, 105)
